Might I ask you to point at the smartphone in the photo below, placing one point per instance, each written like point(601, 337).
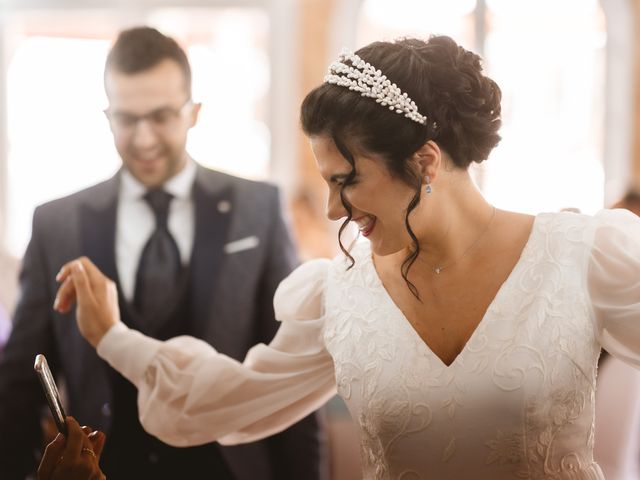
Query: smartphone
point(51, 392)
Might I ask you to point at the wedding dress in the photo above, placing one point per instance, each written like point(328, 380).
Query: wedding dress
point(517, 402)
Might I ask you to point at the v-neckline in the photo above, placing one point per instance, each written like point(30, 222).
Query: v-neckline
point(412, 331)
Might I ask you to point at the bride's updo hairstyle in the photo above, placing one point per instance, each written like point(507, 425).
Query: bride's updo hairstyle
point(446, 84)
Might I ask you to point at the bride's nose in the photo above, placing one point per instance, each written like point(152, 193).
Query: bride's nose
point(335, 208)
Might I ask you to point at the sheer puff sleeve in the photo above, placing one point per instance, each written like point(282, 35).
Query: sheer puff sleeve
point(613, 282)
point(188, 394)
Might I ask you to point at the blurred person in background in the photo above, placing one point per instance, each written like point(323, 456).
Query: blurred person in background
point(196, 252)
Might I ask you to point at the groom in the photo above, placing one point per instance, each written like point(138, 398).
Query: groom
point(193, 251)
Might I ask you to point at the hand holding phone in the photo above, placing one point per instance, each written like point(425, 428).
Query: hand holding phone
point(75, 456)
point(51, 392)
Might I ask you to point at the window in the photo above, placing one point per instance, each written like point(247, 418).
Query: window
point(549, 60)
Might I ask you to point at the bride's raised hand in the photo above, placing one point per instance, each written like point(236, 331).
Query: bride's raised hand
point(96, 296)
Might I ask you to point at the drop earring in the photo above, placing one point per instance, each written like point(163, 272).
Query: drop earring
point(428, 182)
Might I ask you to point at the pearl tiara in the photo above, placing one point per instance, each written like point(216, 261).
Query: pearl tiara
point(363, 77)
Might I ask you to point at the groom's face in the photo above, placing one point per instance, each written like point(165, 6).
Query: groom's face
point(150, 114)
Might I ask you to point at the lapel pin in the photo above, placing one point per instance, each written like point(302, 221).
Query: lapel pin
point(224, 206)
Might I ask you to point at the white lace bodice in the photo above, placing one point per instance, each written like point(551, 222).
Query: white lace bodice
point(518, 400)
point(517, 403)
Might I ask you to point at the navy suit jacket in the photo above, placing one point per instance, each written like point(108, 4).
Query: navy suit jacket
point(232, 309)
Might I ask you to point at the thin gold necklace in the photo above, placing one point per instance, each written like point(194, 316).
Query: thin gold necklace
point(439, 268)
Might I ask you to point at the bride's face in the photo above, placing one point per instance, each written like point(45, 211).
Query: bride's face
point(378, 200)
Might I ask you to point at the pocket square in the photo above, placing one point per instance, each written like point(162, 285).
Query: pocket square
point(245, 243)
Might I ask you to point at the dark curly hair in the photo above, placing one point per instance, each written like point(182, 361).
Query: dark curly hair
point(445, 81)
point(141, 48)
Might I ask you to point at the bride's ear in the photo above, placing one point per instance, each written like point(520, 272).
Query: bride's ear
point(428, 160)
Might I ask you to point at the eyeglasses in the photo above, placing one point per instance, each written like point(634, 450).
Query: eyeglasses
point(161, 120)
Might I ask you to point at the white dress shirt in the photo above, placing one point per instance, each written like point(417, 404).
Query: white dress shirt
point(136, 221)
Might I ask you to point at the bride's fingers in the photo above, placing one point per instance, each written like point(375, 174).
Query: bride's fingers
point(82, 283)
point(95, 295)
point(103, 289)
point(96, 278)
point(65, 271)
point(65, 297)
point(75, 287)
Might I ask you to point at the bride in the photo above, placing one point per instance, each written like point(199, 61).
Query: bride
point(463, 338)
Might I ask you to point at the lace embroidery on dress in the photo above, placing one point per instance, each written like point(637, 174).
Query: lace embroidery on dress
point(516, 403)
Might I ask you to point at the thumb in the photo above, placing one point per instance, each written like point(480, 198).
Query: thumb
point(52, 455)
point(81, 283)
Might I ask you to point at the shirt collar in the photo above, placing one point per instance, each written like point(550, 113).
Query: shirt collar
point(179, 185)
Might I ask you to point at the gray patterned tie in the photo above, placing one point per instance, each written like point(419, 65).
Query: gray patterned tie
point(159, 267)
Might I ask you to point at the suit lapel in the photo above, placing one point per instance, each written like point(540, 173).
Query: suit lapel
point(212, 220)
point(98, 228)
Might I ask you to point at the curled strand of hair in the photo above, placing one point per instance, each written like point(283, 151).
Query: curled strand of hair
point(347, 207)
point(345, 203)
point(411, 258)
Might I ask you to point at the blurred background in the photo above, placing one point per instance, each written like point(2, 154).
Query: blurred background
point(568, 70)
